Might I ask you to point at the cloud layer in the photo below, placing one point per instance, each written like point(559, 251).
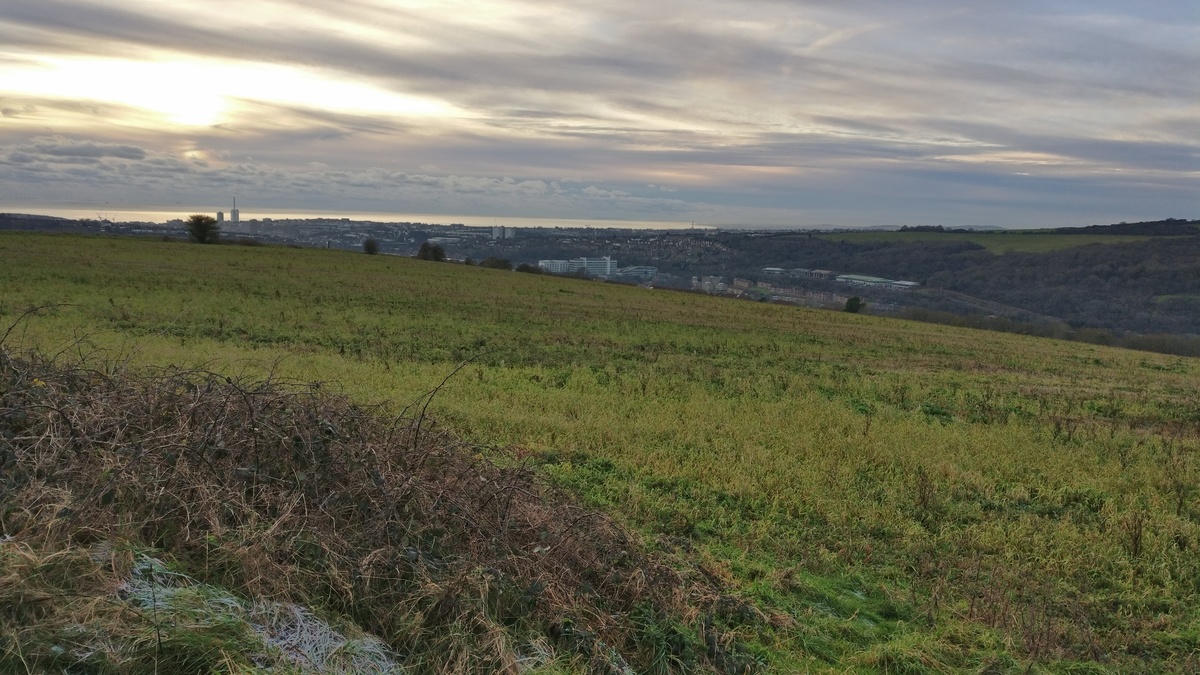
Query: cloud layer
point(759, 112)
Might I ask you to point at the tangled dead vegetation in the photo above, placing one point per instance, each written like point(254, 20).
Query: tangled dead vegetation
point(287, 494)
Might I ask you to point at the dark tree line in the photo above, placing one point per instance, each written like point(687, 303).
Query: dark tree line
point(1157, 228)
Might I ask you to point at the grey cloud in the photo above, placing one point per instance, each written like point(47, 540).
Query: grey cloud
point(62, 147)
point(325, 123)
point(1176, 126)
point(857, 126)
point(169, 166)
point(156, 177)
point(1143, 154)
point(593, 191)
point(58, 24)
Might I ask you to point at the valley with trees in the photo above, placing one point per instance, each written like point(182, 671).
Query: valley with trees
point(1102, 282)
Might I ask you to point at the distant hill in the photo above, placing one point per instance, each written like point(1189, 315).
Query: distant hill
point(1151, 228)
point(27, 221)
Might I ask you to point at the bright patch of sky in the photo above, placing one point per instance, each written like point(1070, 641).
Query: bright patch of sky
point(200, 92)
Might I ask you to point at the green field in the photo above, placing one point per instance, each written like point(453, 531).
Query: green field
point(998, 242)
point(889, 495)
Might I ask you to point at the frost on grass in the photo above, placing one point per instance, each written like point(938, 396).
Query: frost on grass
point(291, 635)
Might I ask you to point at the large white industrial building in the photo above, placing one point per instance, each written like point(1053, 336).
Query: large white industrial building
point(592, 267)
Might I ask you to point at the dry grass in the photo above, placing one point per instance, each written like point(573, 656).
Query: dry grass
point(286, 494)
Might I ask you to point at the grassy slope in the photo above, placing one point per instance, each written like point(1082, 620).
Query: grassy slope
point(1021, 242)
point(888, 493)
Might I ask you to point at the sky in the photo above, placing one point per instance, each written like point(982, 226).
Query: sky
point(790, 113)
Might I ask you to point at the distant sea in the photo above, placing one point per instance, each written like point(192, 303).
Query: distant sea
point(161, 214)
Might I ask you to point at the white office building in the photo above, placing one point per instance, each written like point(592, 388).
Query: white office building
point(594, 267)
point(555, 266)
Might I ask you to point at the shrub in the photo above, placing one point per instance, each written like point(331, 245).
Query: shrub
point(432, 252)
point(203, 229)
point(370, 246)
point(496, 263)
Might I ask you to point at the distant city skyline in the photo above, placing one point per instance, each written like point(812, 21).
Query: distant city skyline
point(758, 113)
point(160, 213)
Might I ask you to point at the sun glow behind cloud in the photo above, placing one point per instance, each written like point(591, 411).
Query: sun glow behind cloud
point(199, 92)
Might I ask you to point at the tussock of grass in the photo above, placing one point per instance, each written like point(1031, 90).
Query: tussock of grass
point(295, 499)
point(89, 609)
point(280, 635)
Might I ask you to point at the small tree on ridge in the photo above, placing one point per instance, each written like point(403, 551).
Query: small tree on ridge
point(203, 229)
point(433, 252)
